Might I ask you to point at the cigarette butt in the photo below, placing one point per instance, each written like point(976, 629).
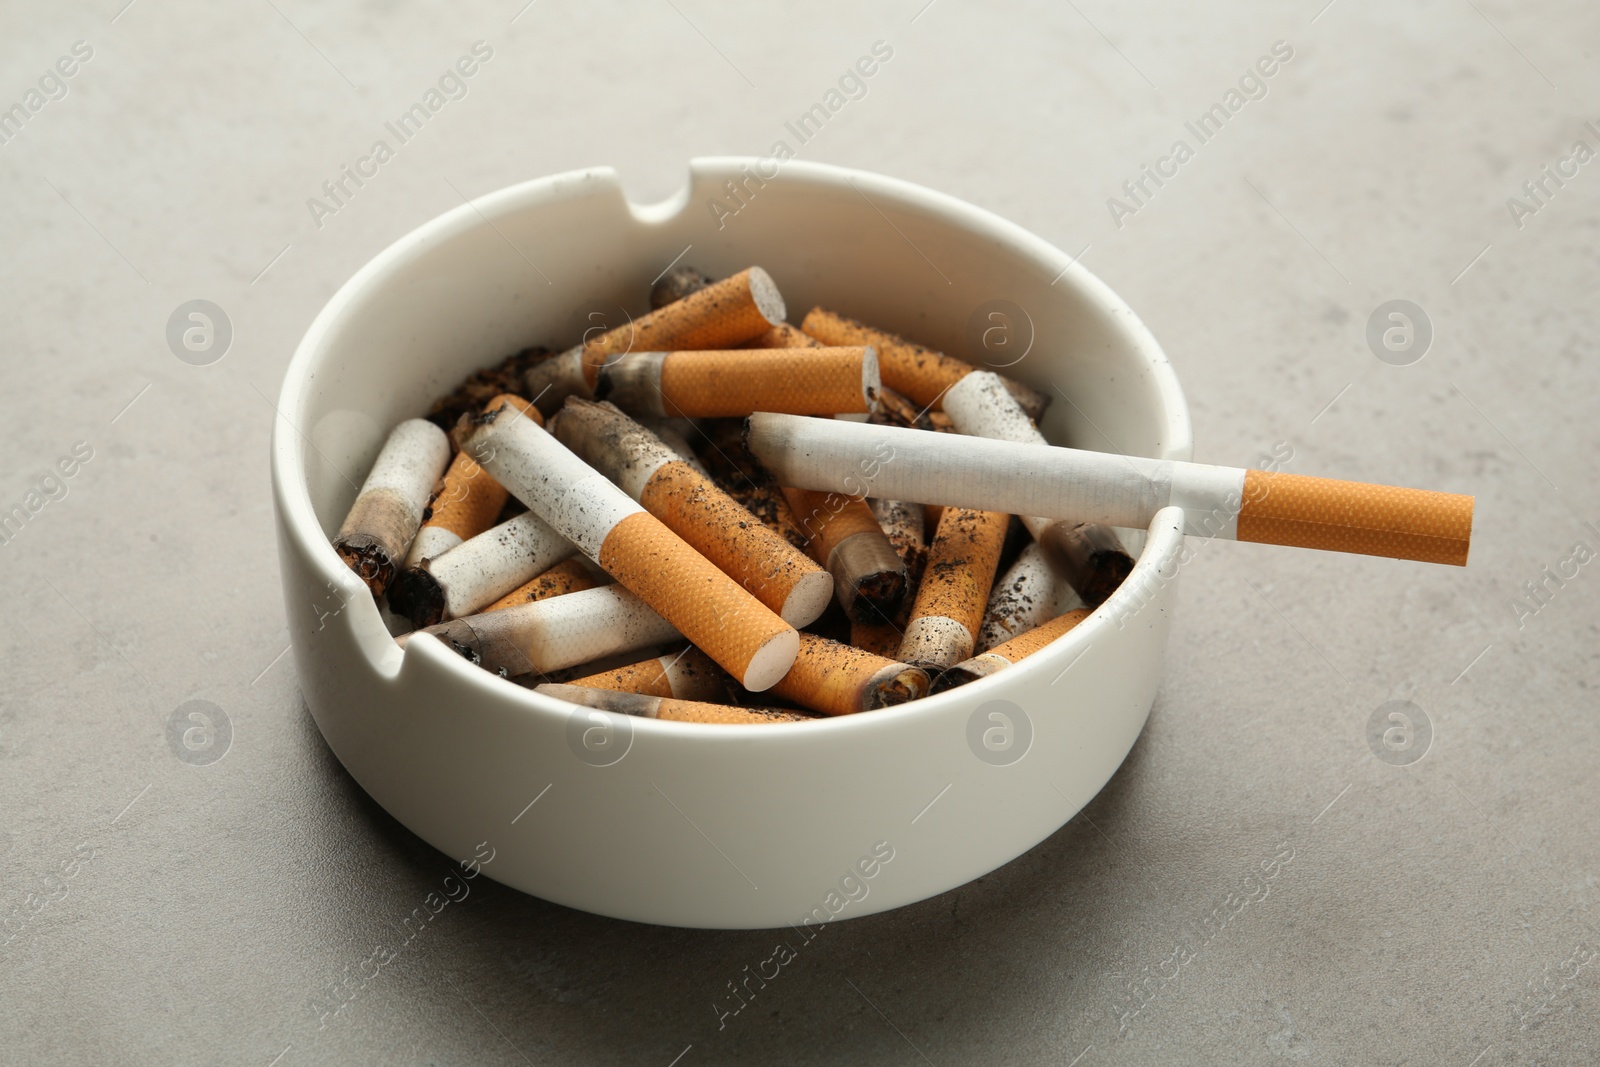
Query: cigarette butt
point(955, 587)
point(568, 576)
point(468, 501)
point(919, 372)
point(388, 511)
point(869, 578)
point(1339, 516)
point(478, 571)
point(1023, 597)
point(1009, 652)
point(837, 679)
point(719, 384)
point(1090, 556)
point(736, 472)
point(690, 504)
point(783, 335)
point(655, 707)
point(685, 675)
point(1114, 490)
point(561, 631)
point(713, 611)
point(464, 507)
point(721, 315)
point(676, 284)
point(903, 524)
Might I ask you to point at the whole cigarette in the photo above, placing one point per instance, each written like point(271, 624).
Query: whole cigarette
point(800, 381)
point(837, 679)
point(1022, 598)
point(561, 631)
point(676, 284)
point(869, 578)
point(1091, 557)
point(721, 315)
point(1024, 479)
point(712, 610)
point(654, 707)
point(783, 335)
point(949, 608)
point(920, 373)
point(1009, 652)
point(479, 570)
point(468, 501)
point(388, 511)
point(712, 522)
point(686, 675)
point(568, 576)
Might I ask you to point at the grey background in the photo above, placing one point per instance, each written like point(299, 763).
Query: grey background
point(1440, 912)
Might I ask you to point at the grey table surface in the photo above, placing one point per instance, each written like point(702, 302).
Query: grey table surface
point(1432, 910)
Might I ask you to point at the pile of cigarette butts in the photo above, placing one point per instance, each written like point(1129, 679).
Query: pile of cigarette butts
point(709, 515)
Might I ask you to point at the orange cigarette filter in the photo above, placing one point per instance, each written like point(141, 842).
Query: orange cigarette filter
point(568, 576)
point(1340, 516)
point(716, 384)
point(869, 577)
point(907, 367)
point(706, 606)
point(685, 675)
point(469, 501)
point(837, 679)
point(949, 608)
point(783, 335)
point(655, 707)
point(1009, 652)
point(722, 315)
point(690, 504)
point(689, 591)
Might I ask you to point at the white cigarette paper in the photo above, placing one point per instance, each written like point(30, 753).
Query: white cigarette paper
point(1024, 597)
point(561, 631)
point(388, 511)
point(482, 569)
point(855, 458)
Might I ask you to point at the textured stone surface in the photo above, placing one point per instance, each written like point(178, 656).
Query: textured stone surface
point(1427, 913)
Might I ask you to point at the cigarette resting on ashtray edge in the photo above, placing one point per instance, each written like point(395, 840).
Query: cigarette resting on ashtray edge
point(693, 485)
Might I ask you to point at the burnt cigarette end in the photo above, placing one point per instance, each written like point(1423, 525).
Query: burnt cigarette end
point(370, 559)
point(417, 596)
point(869, 577)
point(676, 284)
point(899, 685)
point(964, 673)
point(1090, 557)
